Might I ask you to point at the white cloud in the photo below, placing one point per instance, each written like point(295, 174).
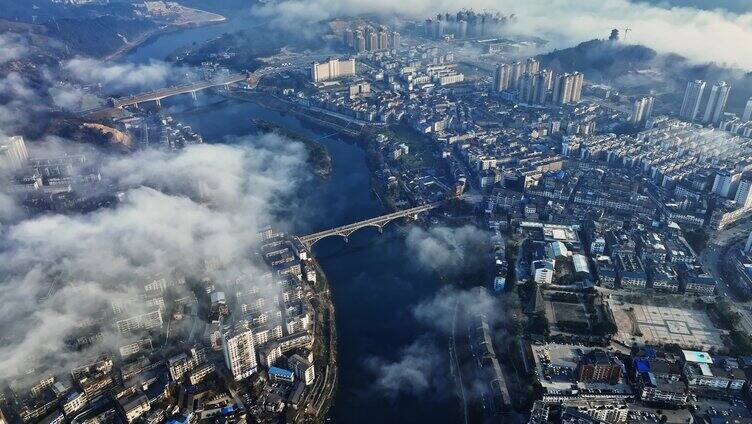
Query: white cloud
point(123, 76)
point(448, 250)
point(700, 35)
point(205, 203)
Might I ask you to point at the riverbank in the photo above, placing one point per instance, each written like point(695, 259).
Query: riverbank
point(317, 156)
point(182, 23)
point(324, 348)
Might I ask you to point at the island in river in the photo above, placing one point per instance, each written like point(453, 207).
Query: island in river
point(318, 158)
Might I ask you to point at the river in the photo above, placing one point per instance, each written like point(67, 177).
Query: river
point(375, 283)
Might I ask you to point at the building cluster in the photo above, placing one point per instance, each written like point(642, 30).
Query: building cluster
point(176, 362)
point(715, 105)
point(466, 24)
point(367, 38)
point(646, 384)
point(385, 84)
point(61, 182)
point(697, 176)
point(528, 84)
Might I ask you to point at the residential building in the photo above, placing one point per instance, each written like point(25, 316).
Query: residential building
point(599, 366)
point(239, 351)
point(642, 110)
point(13, 153)
point(747, 115)
point(692, 97)
point(303, 369)
point(501, 77)
point(744, 193)
point(333, 69)
point(716, 103)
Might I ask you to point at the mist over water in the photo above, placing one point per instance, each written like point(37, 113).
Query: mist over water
point(375, 281)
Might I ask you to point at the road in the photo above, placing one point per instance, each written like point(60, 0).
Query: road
point(712, 258)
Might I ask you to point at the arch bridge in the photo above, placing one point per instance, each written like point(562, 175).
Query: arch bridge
point(379, 222)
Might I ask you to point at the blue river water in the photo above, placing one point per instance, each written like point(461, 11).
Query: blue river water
point(375, 283)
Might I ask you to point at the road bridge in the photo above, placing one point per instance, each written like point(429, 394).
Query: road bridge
point(251, 79)
point(379, 222)
point(163, 93)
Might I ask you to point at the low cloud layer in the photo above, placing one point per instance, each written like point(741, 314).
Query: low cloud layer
point(422, 367)
point(701, 35)
point(123, 76)
point(12, 46)
point(449, 251)
point(418, 369)
point(179, 212)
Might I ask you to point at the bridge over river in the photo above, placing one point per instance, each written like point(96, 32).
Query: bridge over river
point(379, 222)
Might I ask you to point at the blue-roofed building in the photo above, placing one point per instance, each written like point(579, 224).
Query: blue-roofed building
point(181, 420)
point(281, 374)
point(641, 365)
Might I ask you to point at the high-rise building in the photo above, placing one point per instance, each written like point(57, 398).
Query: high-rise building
point(372, 39)
point(642, 110)
point(501, 77)
point(748, 244)
point(516, 71)
point(725, 182)
point(462, 29)
point(239, 351)
point(716, 103)
point(438, 28)
point(539, 88)
point(395, 41)
point(360, 41)
point(13, 153)
point(348, 37)
point(548, 79)
point(578, 81)
point(563, 86)
point(747, 115)
point(744, 193)
point(332, 69)
point(692, 97)
point(525, 89)
point(383, 39)
point(532, 66)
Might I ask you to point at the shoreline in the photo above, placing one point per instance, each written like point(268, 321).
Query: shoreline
point(318, 156)
point(160, 31)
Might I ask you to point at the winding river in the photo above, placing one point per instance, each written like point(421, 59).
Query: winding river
point(375, 284)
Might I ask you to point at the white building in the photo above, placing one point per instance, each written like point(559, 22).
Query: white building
point(13, 153)
point(146, 321)
point(332, 69)
point(543, 271)
point(747, 115)
point(744, 193)
point(724, 183)
point(239, 351)
point(303, 369)
point(642, 110)
point(691, 102)
point(501, 77)
point(716, 103)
